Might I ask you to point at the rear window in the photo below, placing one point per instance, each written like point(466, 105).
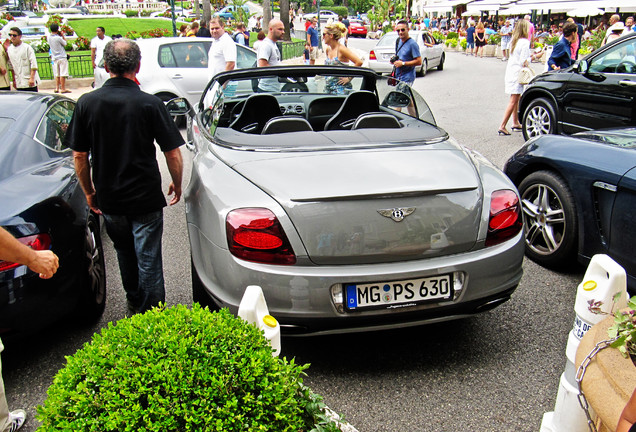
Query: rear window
point(388, 40)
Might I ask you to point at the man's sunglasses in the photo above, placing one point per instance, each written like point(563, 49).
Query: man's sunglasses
point(401, 30)
point(13, 35)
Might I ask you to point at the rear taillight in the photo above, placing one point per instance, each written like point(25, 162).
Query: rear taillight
point(505, 217)
point(372, 55)
point(255, 234)
point(37, 242)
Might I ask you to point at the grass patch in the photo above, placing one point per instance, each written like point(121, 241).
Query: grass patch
point(117, 25)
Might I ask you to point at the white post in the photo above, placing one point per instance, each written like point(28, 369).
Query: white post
point(253, 309)
point(595, 298)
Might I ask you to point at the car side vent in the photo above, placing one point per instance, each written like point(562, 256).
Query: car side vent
point(299, 109)
point(604, 195)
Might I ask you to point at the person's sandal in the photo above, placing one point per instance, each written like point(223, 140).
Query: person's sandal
point(503, 132)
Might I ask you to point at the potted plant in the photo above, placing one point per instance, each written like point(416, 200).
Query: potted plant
point(177, 369)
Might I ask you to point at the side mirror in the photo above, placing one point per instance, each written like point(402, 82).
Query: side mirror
point(582, 67)
point(396, 99)
point(178, 106)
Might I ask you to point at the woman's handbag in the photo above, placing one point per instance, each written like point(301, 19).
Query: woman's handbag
point(525, 75)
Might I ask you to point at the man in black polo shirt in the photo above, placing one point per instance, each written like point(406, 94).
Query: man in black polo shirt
point(118, 125)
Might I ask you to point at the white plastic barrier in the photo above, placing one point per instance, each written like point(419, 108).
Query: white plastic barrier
point(603, 279)
point(253, 309)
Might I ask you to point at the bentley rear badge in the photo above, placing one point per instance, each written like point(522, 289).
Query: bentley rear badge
point(397, 214)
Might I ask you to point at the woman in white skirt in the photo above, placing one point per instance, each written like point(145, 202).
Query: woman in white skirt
point(520, 56)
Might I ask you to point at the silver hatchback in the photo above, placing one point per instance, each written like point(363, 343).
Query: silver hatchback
point(433, 55)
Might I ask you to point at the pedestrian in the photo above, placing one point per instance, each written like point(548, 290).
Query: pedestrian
point(614, 32)
point(480, 39)
point(22, 63)
point(203, 30)
point(312, 39)
point(194, 28)
point(344, 39)
point(222, 53)
point(45, 263)
point(506, 37)
point(470, 38)
point(183, 30)
point(5, 82)
point(260, 36)
point(629, 25)
point(520, 56)
point(530, 29)
point(117, 126)
point(269, 55)
point(241, 36)
point(97, 47)
point(57, 43)
point(561, 56)
point(628, 417)
point(407, 57)
point(305, 53)
point(307, 24)
point(338, 55)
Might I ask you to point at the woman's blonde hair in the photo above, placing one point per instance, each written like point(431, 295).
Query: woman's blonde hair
point(480, 26)
point(336, 29)
point(521, 31)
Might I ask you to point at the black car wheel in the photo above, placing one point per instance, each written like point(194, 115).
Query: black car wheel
point(440, 66)
point(538, 119)
point(424, 68)
point(199, 294)
point(93, 298)
point(550, 220)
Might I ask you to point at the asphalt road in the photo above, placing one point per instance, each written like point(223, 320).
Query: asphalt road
point(498, 371)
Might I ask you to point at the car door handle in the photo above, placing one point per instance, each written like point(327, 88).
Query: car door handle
point(177, 76)
point(627, 83)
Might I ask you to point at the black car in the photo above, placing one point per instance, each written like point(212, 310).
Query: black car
point(579, 196)
point(44, 207)
point(597, 92)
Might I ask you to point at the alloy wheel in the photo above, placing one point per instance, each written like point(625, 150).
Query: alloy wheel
point(545, 222)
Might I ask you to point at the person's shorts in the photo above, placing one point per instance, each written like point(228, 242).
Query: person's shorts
point(60, 68)
point(505, 44)
point(313, 54)
point(470, 45)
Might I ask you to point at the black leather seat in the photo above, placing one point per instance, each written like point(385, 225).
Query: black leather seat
point(257, 111)
point(283, 124)
point(376, 120)
point(356, 103)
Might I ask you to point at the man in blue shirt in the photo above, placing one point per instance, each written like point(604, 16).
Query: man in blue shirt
point(312, 40)
point(409, 57)
point(470, 37)
point(561, 54)
point(408, 53)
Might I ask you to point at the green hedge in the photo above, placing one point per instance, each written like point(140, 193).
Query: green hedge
point(180, 369)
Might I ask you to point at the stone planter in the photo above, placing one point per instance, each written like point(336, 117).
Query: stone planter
point(489, 50)
point(610, 378)
point(499, 52)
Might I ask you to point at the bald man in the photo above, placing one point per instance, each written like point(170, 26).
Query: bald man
point(269, 55)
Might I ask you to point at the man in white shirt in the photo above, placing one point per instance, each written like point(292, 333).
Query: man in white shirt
point(222, 54)
point(269, 55)
point(98, 43)
point(57, 43)
point(22, 63)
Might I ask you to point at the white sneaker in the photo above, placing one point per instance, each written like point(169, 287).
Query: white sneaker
point(16, 420)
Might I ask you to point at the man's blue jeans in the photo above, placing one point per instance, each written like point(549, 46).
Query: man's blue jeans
point(137, 240)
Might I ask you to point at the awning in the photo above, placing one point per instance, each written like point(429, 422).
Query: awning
point(443, 6)
point(488, 5)
point(526, 6)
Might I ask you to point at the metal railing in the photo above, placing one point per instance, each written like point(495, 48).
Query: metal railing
point(79, 66)
point(289, 50)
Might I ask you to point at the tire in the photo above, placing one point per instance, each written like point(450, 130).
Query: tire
point(440, 66)
point(180, 121)
point(550, 219)
point(424, 68)
point(539, 119)
point(93, 284)
point(199, 293)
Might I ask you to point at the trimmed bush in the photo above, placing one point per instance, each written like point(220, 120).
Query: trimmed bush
point(181, 369)
point(340, 10)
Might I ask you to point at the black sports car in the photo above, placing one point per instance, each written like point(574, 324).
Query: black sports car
point(44, 207)
point(579, 196)
point(597, 92)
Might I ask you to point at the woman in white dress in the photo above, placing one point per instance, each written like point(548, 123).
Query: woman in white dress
point(520, 56)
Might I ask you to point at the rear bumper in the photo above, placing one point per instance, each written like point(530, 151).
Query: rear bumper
point(300, 297)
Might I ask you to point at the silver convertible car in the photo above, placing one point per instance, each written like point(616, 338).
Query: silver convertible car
point(334, 190)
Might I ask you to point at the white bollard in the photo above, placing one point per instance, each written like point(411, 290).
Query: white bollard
point(253, 309)
point(603, 279)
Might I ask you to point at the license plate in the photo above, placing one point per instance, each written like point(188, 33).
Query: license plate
point(398, 294)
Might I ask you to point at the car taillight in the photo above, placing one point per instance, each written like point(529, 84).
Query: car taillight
point(255, 234)
point(37, 242)
point(372, 55)
point(505, 217)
